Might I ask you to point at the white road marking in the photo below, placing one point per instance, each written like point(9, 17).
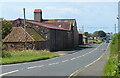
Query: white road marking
point(78, 57)
point(64, 61)
point(98, 58)
point(89, 52)
point(74, 73)
point(9, 72)
point(57, 63)
point(73, 59)
point(53, 63)
point(83, 55)
point(35, 67)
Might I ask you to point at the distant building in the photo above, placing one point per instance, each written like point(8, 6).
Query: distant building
point(51, 34)
point(82, 39)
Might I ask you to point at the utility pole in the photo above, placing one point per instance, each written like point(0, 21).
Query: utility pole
point(24, 26)
point(115, 28)
point(83, 28)
point(24, 19)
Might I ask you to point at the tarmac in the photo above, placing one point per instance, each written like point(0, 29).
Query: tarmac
point(97, 68)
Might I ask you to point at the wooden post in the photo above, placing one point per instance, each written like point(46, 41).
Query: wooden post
point(24, 27)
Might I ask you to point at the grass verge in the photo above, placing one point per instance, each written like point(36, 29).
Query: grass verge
point(95, 41)
point(111, 67)
point(12, 57)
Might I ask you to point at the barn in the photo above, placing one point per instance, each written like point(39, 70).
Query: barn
point(82, 39)
point(51, 34)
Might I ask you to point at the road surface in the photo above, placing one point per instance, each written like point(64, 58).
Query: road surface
point(59, 66)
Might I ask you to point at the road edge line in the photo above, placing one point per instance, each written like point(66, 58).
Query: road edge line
point(77, 71)
point(9, 72)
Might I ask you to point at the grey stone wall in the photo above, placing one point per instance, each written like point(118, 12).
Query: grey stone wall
point(39, 45)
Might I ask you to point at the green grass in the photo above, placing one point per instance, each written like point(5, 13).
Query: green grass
point(111, 67)
point(26, 56)
point(95, 41)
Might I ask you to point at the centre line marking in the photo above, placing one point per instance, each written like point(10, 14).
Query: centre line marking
point(64, 61)
point(53, 63)
point(73, 59)
point(35, 67)
point(88, 64)
point(9, 72)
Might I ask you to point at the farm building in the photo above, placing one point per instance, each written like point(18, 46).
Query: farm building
point(82, 39)
point(51, 34)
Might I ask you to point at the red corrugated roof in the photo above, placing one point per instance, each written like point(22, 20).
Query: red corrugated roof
point(53, 25)
point(37, 10)
point(46, 25)
point(82, 35)
point(65, 25)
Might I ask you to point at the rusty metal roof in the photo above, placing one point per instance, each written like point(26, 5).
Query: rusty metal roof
point(66, 25)
point(48, 25)
point(82, 35)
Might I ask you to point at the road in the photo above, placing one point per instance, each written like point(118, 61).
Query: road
point(59, 66)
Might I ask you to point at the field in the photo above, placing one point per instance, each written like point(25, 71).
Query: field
point(95, 41)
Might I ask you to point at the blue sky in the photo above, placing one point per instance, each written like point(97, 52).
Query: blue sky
point(92, 15)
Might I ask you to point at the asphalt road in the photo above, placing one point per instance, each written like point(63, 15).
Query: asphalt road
point(59, 66)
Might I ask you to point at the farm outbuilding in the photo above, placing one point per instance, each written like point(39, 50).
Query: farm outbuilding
point(51, 34)
point(82, 39)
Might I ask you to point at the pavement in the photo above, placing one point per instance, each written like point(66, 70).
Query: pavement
point(63, 66)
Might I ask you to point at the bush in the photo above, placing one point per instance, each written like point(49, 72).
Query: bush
point(112, 67)
point(6, 54)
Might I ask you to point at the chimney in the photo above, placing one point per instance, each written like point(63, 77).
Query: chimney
point(38, 15)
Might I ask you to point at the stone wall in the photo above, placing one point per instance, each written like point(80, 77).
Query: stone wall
point(22, 45)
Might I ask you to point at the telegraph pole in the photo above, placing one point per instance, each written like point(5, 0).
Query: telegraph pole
point(115, 28)
point(83, 28)
point(24, 19)
point(24, 26)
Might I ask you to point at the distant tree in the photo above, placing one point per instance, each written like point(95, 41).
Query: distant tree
point(95, 34)
point(6, 28)
point(99, 34)
point(87, 34)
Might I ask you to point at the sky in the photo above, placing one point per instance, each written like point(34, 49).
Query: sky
point(93, 16)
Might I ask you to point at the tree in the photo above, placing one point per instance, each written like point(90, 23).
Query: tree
point(6, 28)
point(99, 34)
point(95, 34)
point(87, 34)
